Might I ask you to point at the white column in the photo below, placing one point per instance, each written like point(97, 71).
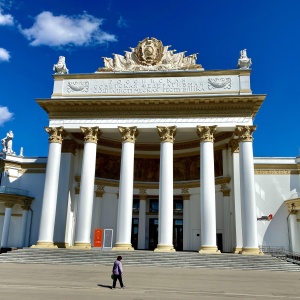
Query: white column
point(47, 223)
point(249, 218)
point(5, 230)
point(87, 183)
point(227, 242)
point(142, 222)
point(186, 220)
point(293, 230)
point(207, 193)
point(24, 225)
point(236, 194)
point(123, 237)
point(165, 213)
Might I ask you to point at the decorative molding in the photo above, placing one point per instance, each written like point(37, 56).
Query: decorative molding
point(99, 191)
point(76, 86)
point(167, 134)
point(129, 134)
point(91, 134)
point(244, 133)
point(276, 172)
point(56, 134)
point(225, 190)
point(206, 133)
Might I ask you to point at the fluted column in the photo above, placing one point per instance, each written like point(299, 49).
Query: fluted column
point(25, 208)
point(45, 239)
point(293, 230)
point(123, 238)
point(165, 213)
point(249, 219)
point(207, 194)
point(142, 220)
point(5, 230)
point(87, 182)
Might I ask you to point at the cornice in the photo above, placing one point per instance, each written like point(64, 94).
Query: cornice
point(152, 74)
point(130, 107)
point(15, 199)
point(276, 169)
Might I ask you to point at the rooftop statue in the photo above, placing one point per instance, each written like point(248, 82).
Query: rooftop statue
point(7, 143)
point(150, 55)
point(60, 67)
point(244, 61)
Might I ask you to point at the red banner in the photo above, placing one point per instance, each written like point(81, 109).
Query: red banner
point(98, 236)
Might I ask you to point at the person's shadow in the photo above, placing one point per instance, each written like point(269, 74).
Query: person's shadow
point(105, 286)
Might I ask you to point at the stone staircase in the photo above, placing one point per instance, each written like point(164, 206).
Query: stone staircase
point(149, 259)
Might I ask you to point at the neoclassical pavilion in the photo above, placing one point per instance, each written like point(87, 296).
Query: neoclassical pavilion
point(155, 148)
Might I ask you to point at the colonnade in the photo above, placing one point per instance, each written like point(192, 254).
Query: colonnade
point(165, 229)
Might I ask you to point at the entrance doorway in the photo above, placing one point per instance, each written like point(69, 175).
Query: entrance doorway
point(134, 232)
point(177, 234)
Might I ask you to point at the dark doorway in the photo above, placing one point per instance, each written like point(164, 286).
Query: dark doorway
point(134, 232)
point(153, 233)
point(178, 235)
point(220, 241)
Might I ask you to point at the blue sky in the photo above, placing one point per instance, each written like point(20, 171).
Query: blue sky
point(34, 33)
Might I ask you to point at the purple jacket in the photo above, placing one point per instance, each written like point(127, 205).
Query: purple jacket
point(117, 268)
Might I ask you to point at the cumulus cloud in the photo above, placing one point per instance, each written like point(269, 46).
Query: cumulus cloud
point(5, 115)
point(4, 55)
point(122, 23)
point(6, 19)
point(63, 30)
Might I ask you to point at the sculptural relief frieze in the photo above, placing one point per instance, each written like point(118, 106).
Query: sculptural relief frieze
point(147, 169)
point(78, 86)
point(219, 83)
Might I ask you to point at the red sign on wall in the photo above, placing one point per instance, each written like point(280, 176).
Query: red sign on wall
point(98, 237)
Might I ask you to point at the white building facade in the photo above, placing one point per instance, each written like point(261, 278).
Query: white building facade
point(157, 151)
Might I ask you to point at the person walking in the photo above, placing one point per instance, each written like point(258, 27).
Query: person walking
point(118, 272)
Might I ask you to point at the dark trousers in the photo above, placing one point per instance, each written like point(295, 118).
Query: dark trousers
point(118, 277)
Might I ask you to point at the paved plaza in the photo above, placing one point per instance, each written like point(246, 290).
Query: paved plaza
point(41, 281)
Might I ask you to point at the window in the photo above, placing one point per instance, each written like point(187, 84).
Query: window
point(136, 205)
point(178, 206)
point(153, 205)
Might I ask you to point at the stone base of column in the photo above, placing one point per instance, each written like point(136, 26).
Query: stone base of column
point(237, 250)
point(47, 245)
point(164, 248)
point(62, 244)
point(81, 246)
point(209, 250)
point(251, 251)
point(122, 247)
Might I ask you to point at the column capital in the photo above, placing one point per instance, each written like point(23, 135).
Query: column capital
point(206, 133)
point(56, 134)
point(8, 205)
point(225, 190)
point(244, 133)
point(185, 194)
point(91, 134)
point(167, 134)
point(234, 146)
point(143, 194)
point(128, 133)
point(99, 191)
point(25, 207)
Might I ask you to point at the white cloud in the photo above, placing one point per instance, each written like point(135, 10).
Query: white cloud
point(5, 115)
point(122, 23)
point(62, 30)
point(6, 19)
point(4, 55)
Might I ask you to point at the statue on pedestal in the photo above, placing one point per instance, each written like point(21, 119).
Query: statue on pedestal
point(7, 143)
point(244, 61)
point(60, 67)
